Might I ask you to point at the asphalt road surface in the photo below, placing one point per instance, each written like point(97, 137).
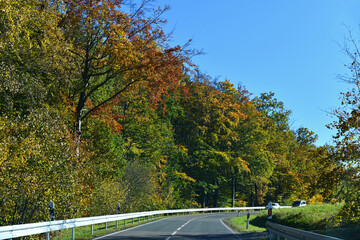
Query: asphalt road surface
point(194, 227)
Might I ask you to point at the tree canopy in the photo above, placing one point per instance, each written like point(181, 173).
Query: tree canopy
point(97, 107)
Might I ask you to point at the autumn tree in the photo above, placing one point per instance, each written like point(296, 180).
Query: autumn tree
point(279, 140)
point(34, 63)
point(347, 125)
point(38, 165)
point(37, 153)
point(114, 50)
point(210, 127)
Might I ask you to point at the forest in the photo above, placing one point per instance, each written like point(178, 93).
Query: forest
point(98, 108)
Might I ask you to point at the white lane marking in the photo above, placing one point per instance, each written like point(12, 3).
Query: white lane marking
point(168, 238)
point(232, 231)
point(127, 229)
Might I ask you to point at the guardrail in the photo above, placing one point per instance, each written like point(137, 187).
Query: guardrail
point(14, 231)
point(277, 230)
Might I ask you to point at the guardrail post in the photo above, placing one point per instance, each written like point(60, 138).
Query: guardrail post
point(47, 236)
point(125, 222)
point(248, 219)
point(52, 211)
point(106, 226)
point(73, 234)
point(133, 220)
point(270, 207)
point(117, 224)
point(92, 229)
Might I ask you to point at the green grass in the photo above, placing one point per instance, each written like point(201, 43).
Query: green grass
point(323, 219)
point(310, 217)
point(84, 233)
point(239, 224)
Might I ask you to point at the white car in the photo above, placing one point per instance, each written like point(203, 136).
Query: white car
point(274, 206)
point(301, 203)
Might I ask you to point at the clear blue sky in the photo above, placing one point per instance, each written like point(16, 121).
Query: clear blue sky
point(289, 47)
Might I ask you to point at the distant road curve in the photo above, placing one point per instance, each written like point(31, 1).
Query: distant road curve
point(194, 227)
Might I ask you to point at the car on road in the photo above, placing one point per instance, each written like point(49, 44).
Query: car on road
point(301, 203)
point(274, 206)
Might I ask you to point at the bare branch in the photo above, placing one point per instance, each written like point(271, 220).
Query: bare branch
point(110, 98)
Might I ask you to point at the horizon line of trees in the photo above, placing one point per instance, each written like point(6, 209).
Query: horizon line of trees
point(97, 107)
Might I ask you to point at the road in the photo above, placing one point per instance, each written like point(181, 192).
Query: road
point(187, 227)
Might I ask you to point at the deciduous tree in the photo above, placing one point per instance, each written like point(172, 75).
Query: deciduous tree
point(114, 50)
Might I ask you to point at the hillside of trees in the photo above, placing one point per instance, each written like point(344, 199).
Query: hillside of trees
point(97, 107)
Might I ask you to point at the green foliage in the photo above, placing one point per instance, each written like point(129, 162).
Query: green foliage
point(105, 197)
point(34, 61)
point(38, 164)
point(273, 109)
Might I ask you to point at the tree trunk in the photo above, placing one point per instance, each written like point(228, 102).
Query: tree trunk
point(256, 194)
point(204, 199)
point(233, 190)
point(216, 197)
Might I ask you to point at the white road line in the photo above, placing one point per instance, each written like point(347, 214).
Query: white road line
point(168, 238)
point(127, 229)
point(232, 231)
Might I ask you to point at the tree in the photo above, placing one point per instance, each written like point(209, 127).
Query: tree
point(214, 131)
point(115, 50)
point(273, 109)
point(348, 130)
point(37, 162)
point(35, 66)
point(305, 136)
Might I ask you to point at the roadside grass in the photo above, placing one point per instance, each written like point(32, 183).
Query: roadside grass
point(84, 233)
point(323, 219)
point(239, 225)
point(311, 217)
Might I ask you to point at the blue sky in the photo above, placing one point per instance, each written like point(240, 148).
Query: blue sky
point(289, 47)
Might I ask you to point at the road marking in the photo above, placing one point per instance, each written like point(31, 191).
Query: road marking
point(127, 229)
point(232, 231)
point(168, 238)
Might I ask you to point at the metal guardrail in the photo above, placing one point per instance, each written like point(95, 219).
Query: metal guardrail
point(289, 233)
point(14, 231)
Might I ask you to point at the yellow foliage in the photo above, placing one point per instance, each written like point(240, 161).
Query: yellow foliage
point(316, 199)
point(185, 177)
